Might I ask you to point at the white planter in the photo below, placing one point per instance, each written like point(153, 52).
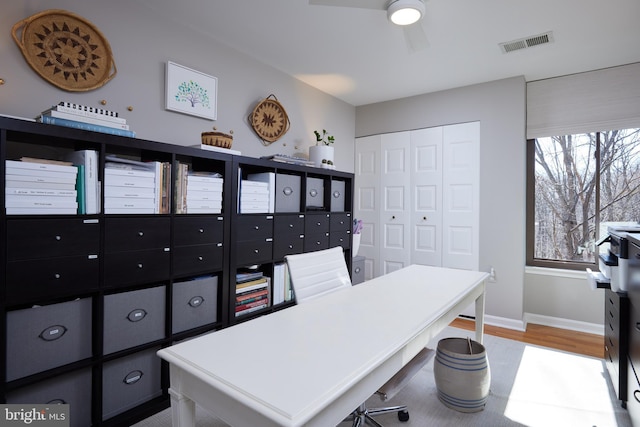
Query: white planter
point(356, 245)
point(319, 152)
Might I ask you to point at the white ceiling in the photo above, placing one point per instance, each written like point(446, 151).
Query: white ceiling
point(357, 55)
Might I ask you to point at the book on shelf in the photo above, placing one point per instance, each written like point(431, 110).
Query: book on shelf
point(129, 211)
point(245, 276)
point(39, 166)
point(41, 211)
point(85, 119)
point(204, 195)
point(283, 158)
point(19, 201)
point(262, 302)
point(32, 182)
point(128, 203)
point(123, 191)
point(80, 190)
point(180, 189)
point(88, 159)
point(96, 110)
point(218, 149)
point(244, 298)
point(39, 192)
point(83, 110)
point(252, 309)
point(262, 284)
point(85, 126)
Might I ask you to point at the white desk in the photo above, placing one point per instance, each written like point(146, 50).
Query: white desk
point(312, 364)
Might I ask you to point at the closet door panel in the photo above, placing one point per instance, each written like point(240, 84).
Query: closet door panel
point(426, 187)
point(461, 196)
point(396, 202)
point(366, 187)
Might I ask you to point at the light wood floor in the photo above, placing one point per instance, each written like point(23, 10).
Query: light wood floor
point(560, 339)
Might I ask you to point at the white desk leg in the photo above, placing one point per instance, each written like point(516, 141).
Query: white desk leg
point(480, 316)
point(183, 410)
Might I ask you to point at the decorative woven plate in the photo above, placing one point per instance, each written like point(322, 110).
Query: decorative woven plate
point(66, 50)
point(269, 120)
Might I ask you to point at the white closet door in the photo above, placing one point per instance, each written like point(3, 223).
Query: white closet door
point(426, 189)
point(367, 200)
point(395, 202)
point(461, 196)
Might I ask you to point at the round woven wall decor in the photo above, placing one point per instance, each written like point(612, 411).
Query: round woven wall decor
point(269, 120)
point(66, 50)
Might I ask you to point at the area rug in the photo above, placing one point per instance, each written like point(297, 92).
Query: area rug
point(530, 386)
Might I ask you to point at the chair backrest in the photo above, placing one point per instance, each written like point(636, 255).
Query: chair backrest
point(318, 273)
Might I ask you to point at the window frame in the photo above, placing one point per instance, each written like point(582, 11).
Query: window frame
point(530, 260)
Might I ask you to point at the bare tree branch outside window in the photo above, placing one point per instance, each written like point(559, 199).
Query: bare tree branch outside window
point(566, 172)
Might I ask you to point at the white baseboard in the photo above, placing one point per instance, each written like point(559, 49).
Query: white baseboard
point(501, 322)
point(556, 322)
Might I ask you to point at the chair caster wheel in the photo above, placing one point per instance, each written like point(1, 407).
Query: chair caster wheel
point(403, 416)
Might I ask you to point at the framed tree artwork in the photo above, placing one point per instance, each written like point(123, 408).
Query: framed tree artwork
point(191, 92)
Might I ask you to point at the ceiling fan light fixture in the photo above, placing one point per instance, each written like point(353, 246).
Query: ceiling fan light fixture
point(405, 12)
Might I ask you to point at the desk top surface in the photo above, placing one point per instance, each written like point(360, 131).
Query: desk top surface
point(294, 361)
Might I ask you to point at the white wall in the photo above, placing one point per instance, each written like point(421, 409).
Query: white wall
point(142, 43)
point(500, 108)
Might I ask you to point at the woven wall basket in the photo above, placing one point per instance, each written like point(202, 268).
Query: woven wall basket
point(269, 120)
point(65, 49)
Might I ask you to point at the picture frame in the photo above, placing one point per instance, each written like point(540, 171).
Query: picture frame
point(191, 92)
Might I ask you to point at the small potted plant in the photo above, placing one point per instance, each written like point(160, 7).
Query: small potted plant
point(322, 153)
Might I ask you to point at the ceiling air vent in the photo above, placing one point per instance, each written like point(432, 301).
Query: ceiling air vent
point(526, 42)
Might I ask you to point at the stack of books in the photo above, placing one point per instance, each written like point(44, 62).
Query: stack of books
point(135, 187)
point(283, 158)
point(257, 193)
point(252, 292)
point(88, 118)
point(197, 192)
point(40, 187)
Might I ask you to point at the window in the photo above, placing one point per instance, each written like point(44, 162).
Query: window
point(577, 185)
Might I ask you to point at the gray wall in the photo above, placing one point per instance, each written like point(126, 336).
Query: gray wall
point(500, 108)
point(142, 42)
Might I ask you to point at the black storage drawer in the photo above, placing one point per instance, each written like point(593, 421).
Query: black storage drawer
point(29, 239)
point(197, 259)
point(316, 224)
point(45, 278)
point(126, 268)
point(132, 234)
point(287, 245)
point(288, 225)
point(340, 238)
point(341, 221)
point(254, 252)
point(316, 241)
point(254, 227)
point(199, 230)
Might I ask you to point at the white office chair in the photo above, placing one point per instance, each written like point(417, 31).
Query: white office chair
point(314, 274)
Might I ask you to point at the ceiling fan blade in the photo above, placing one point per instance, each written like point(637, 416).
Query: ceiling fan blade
point(415, 37)
point(361, 4)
